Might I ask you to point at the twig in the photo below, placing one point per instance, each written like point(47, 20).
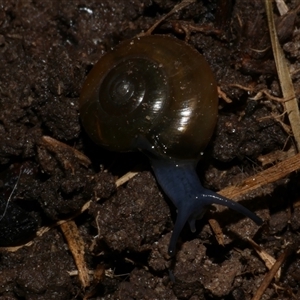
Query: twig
point(270, 275)
point(269, 175)
point(176, 8)
point(76, 246)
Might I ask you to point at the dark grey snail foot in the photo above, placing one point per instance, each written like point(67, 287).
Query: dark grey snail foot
point(180, 182)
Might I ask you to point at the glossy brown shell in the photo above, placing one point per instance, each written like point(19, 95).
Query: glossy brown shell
point(170, 99)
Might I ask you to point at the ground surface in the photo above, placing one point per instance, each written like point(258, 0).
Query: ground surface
point(46, 50)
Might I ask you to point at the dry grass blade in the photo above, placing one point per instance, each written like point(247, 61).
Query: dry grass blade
point(285, 80)
point(270, 275)
point(282, 7)
point(126, 178)
point(266, 257)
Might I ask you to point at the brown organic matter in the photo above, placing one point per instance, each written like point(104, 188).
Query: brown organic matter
point(46, 50)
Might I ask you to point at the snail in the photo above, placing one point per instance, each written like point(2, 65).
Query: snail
point(158, 95)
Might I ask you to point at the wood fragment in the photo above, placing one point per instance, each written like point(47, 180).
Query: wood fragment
point(76, 246)
point(216, 228)
point(269, 175)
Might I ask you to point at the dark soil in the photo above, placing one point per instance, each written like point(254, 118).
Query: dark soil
point(46, 50)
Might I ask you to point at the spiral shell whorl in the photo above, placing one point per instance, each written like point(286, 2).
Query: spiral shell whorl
point(168, 95)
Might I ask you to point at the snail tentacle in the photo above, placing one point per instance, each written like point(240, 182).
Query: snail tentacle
point(180, 182)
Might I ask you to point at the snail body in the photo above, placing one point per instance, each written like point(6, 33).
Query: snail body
point(158, 95)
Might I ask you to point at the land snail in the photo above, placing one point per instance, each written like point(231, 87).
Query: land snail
point(158, 95)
